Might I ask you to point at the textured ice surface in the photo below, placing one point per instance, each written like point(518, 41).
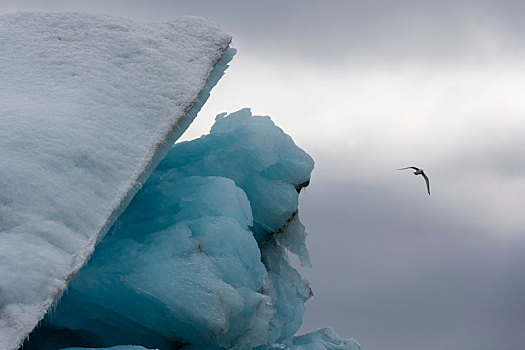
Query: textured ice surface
point(181, 266)
point(89, 105)
point(262, 160)
point(322, 339)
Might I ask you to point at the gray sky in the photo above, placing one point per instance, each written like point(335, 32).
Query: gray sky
point(367, 87)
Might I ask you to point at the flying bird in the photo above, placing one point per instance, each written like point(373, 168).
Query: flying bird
point(419, 172)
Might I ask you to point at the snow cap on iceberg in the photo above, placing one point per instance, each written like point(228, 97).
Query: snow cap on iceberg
point(90, 104)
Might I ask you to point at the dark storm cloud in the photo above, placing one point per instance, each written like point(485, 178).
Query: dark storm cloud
point(397, 276)
point(327, 30)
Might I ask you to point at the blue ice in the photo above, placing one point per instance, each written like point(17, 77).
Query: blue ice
point(200, 257)
point(322, 339)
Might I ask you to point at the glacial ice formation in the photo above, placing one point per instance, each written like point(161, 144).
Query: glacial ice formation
point(182, 268)
point(199, 258)
point(90, 104)
point(322, 339)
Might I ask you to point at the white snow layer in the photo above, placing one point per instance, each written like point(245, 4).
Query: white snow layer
point(89, 105)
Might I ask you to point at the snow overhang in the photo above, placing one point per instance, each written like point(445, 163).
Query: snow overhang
point(89, 106)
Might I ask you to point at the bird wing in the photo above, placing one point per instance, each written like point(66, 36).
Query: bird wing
point(428, 182)
point(410, 167)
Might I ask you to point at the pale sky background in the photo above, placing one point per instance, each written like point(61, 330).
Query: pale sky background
point(367, 87)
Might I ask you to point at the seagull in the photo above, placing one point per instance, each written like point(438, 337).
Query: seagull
point(419, 172)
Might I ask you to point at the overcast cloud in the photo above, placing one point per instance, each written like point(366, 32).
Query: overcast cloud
point(321, 30)
point(409, 276)
point(367, 87)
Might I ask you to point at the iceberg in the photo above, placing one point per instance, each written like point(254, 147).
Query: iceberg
point(191, 263)
point(112, 238)
point(90, 105)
